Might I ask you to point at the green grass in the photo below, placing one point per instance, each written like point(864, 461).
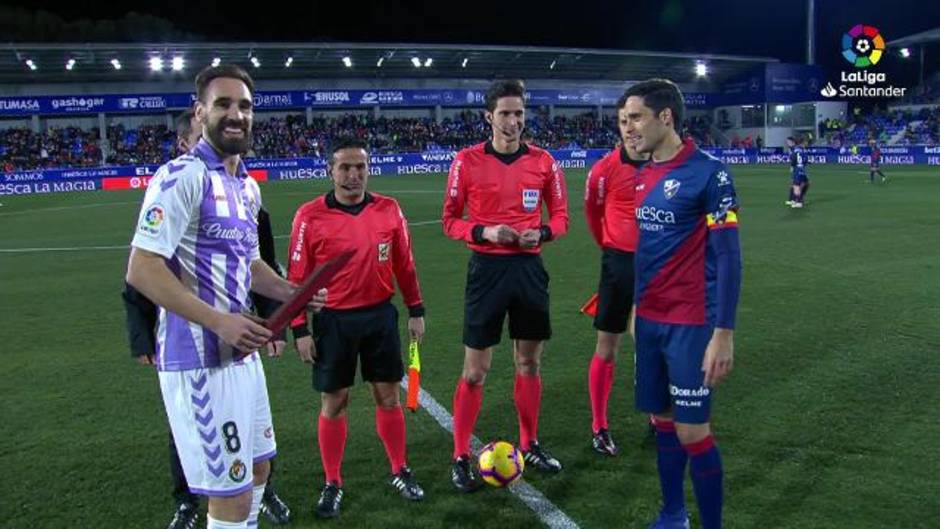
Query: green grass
point(828, 421)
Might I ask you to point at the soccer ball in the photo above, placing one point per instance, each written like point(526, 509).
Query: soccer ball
point(501, 463)
point(863, 46)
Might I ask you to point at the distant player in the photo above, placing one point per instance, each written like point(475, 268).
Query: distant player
point(799, 180)
point(875, 166)
point(611, 218)
point(688, 277)
point(359, 325)
point(503, 183)
point(195, 255)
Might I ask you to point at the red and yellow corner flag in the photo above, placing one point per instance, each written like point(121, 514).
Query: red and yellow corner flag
point(414, 375)
point(590, 306)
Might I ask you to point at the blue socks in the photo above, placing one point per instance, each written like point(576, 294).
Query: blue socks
point(671, 460)
point(706, 470)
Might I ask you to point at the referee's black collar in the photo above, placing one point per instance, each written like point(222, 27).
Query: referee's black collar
point(355, 209)
point(626, 160)
point(506, 158)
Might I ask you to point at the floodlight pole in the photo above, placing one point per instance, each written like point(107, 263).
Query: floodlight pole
point(810, 32)
point(922, 48)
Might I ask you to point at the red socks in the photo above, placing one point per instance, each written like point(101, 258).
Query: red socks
point(331, 434)
point(390, 425)
point(467, 401)
point(528, 396)
point(600, 380)
point(469, 397)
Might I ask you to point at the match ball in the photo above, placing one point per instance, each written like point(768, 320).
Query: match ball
point(501, 464)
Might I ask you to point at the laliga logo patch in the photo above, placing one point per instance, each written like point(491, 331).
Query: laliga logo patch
point(670, 188)
point(863, 46)
point(153, 220)
point(723, 179)
point(237, 471)
point(384, 248)
point(530, 199)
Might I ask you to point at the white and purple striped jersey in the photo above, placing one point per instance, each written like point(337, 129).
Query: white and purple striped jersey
point(203, 221)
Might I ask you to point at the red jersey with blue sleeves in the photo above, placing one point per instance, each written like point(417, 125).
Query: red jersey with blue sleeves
point(688, 258)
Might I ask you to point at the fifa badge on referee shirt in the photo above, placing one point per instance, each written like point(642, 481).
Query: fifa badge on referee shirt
point(383, 251)
point(530, 199)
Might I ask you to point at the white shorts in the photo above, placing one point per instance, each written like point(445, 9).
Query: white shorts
point(221, 422)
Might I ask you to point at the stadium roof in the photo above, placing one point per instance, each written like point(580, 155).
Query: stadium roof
point(924, 37)
point(94, 61)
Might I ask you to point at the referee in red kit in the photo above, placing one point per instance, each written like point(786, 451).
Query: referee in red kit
point(503, 183)
point(359, 324)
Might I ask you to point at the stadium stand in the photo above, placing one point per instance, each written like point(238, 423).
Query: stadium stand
point(290, 136)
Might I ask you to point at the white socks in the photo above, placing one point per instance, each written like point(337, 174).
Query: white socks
point(219, 524)
point(252, 522)
point(256, 494)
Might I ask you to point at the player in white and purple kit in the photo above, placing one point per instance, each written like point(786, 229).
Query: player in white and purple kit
point(688, 278)
point(195, 255)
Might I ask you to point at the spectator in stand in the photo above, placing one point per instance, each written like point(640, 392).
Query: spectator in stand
point(291, 136)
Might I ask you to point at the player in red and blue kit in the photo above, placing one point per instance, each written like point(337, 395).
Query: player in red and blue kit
point(688, 278)
point(875, 166)
point(799, 184)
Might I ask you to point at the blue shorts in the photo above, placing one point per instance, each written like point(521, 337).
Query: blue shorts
point(669, 370)
point(799, 177)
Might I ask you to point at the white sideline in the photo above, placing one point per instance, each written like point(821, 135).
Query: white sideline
point(548, 512)
point(62, 208)
point(126, 247)
point(62, 249)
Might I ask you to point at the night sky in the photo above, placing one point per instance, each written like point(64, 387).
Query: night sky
point(746, 27)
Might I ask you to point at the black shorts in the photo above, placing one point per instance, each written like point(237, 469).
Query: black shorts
point(615, 291)
point(497, 284)
point(345, 338)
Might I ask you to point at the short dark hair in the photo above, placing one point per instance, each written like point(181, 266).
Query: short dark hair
point(184, 123)
point(658, 94)
point(506, 88)
point(347, 143)
point(229, 71)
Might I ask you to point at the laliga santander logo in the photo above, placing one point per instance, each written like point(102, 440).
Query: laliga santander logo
point(863, 46)
point(154, 216)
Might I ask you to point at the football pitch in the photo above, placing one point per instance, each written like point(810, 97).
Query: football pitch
point(829, 419)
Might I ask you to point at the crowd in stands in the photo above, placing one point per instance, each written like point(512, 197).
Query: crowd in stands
point(923, 127)
point(291, 136)
point(898, 127)
point(147, 144)
point(22, 148)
